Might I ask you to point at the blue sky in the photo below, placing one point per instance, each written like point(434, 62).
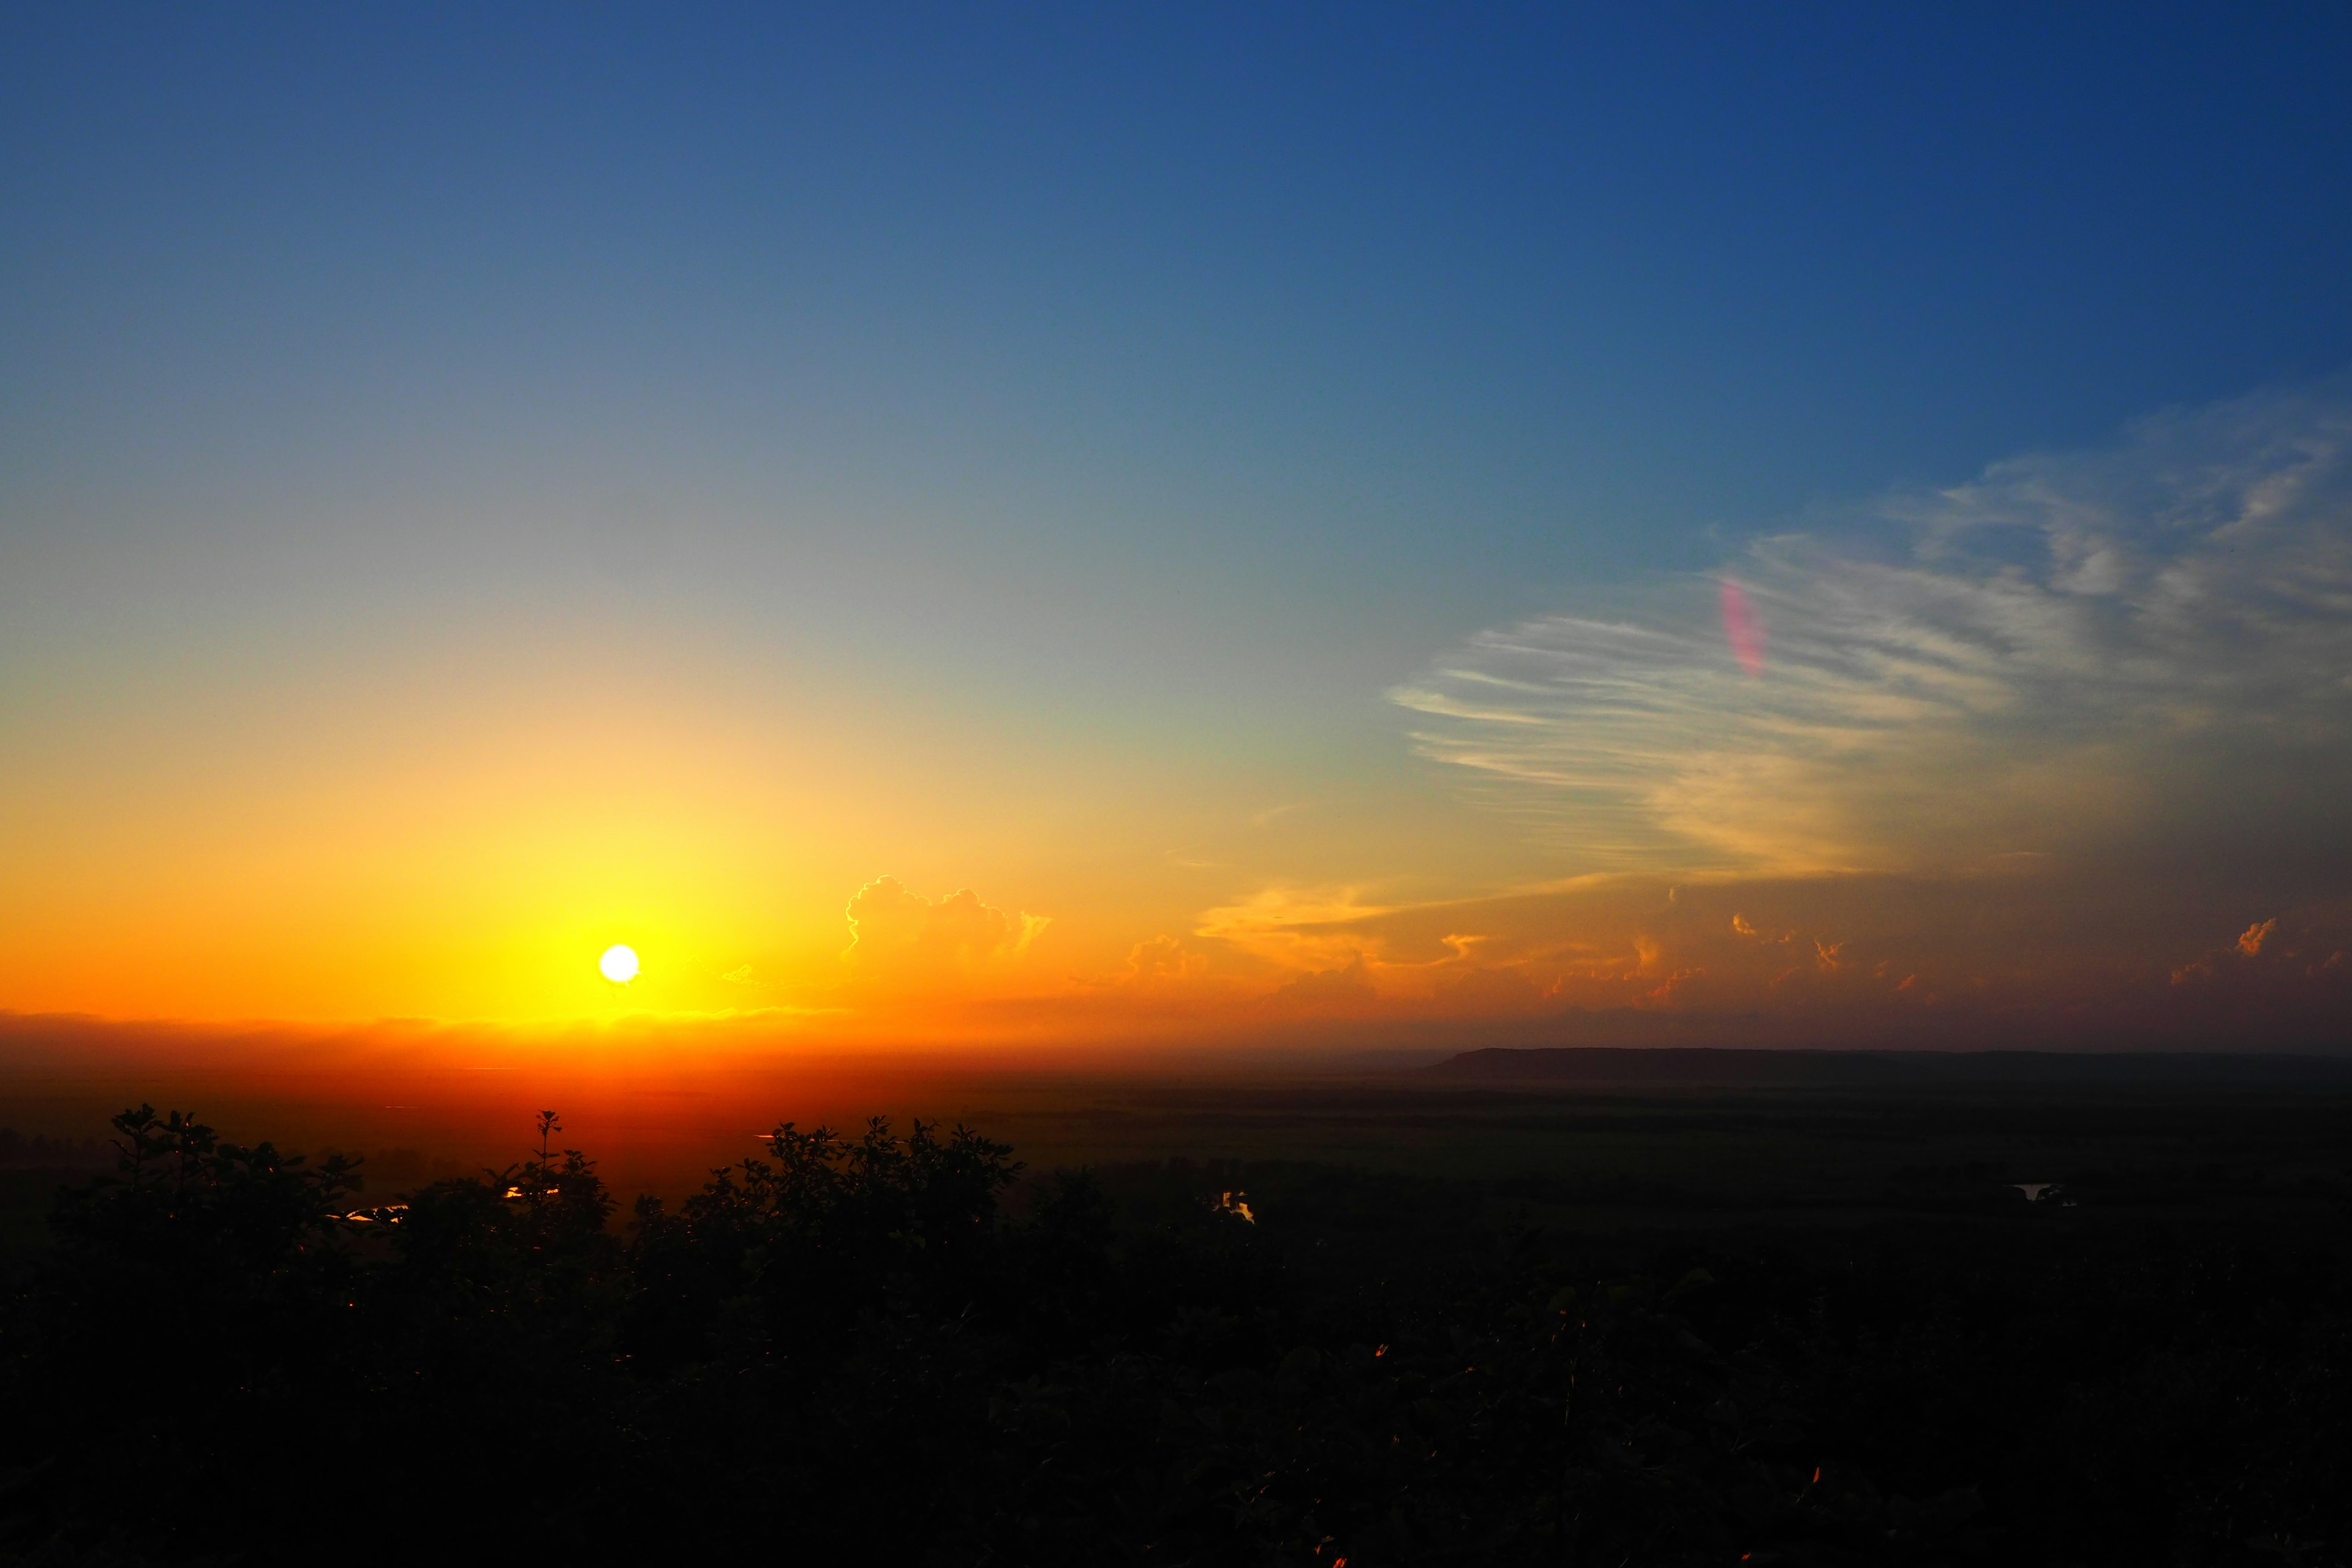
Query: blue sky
point(1338, 289)
point(1160, 389)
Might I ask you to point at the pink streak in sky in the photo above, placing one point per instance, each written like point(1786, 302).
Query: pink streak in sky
point(1742, 629)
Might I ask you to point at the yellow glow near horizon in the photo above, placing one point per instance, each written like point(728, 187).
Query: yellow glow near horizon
point(619, 963)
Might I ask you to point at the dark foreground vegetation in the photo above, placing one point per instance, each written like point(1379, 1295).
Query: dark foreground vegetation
point(905, 1350)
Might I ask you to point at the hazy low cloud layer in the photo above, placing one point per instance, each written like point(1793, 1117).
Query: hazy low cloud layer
point(1853, 960)
point(2138, 659)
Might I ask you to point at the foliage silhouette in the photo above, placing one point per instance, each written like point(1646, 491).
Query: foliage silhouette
point(849, 1345)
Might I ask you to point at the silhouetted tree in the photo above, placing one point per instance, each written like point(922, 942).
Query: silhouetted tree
point(849, 1345)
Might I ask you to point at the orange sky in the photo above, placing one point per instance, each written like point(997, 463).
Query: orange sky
point(1954, 801)
point(979, 534)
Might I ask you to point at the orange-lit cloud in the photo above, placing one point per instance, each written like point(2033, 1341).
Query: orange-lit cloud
point(1163, 961)
point(1298, 929)
point(904, 937)
point(1348, 987)
point(1878, 960)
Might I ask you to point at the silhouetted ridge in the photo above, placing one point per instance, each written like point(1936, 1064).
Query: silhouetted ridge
point(1718, 1065)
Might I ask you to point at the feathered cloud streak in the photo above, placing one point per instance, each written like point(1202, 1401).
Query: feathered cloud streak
point(2140, 655)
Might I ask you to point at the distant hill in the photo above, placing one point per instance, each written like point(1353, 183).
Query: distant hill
point(1713, 1064)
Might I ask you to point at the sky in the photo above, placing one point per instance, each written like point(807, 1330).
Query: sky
point(1321, 525)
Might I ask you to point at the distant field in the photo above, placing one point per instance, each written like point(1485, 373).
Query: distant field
point(1835, 1147)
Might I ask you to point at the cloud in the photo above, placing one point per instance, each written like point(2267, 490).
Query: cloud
point(2141, 653)
point(2011, 760)
point(905, 935)
point(1348, 986)
point(1162, 961)
point(1875, 960)
point(2290, 971)
point(1294, 926)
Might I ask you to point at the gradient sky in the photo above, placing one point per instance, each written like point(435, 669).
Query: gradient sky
point(1108, 525)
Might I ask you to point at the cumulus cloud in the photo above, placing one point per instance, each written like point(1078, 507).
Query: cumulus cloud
point(1161, 961)
point(2291, 967)
point(898, 933)
point(2141, 651)
point(1348, 986)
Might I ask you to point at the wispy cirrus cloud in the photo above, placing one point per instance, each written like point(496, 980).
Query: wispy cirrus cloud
point(2139, 653)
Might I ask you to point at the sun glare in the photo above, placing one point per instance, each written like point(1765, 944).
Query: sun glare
point(619, 963)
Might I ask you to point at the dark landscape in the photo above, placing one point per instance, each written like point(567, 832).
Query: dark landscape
point(1214, 785)
point(1659, 1306)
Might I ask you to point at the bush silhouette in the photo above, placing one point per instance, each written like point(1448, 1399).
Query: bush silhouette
point(848, 1344)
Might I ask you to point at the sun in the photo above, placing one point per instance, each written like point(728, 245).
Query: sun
point(619, 963)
